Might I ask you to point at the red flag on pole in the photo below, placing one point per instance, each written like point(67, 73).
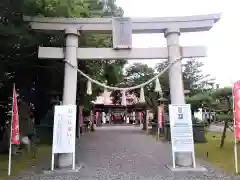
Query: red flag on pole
point(15, 120)
point(160, 114)
point(236, 101)
point(14, 134)
point(140, 117)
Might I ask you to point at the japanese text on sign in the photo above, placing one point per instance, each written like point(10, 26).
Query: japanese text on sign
point(181, 128)
point(122, 32)
point(64, 129)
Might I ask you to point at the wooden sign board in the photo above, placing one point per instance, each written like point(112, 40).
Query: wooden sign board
point(122, 33)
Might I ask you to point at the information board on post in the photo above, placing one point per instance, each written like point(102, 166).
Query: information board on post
point(181, 130)
point(64, 131)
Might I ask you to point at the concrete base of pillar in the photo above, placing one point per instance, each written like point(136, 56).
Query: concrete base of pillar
point(63, 171)
point(186, 169)
point(183, 159)
point(64, 160)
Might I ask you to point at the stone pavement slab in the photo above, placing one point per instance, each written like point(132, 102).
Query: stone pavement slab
point(125, 152)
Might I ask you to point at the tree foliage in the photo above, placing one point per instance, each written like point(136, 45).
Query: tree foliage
point(40, 81)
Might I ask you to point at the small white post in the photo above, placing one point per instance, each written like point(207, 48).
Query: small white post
point(73, 161)
point(158, 124)
point(134, 117)
point(235, 140)
point(10, 152)
point(103, 118)
point(52, 163)
point(10, 139)
point(236, 155)
point(146, 116)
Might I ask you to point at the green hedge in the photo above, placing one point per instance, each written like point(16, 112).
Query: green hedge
point(224, 117)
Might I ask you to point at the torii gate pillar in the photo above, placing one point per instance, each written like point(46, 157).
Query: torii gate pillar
point(176, 83)
point(70, 81)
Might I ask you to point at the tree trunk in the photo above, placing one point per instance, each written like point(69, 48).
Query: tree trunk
point(224, 133)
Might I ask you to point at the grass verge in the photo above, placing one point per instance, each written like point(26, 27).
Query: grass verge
point(24, 161)
point(220, 157)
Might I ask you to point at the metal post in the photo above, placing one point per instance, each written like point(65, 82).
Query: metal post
point(70, 82)
point(176, 84)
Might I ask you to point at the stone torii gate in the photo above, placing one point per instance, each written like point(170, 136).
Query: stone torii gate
point(122, 29)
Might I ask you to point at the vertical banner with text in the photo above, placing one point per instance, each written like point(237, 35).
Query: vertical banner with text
point(15, 120)
point(236, 96)
point(160, 116)
point(14, 134)
point(140, 117)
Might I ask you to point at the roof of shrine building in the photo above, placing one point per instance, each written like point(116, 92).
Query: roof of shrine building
point(130, 98)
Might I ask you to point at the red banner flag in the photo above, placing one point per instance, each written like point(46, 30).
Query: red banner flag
point(160, 114)
point(140, 117)
point(15, 120)
point(236, 98)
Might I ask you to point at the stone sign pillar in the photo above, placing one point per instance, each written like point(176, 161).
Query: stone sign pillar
point(70, 82)
point(176, 83)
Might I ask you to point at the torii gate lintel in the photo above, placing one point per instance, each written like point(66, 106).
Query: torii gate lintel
point(109, 53)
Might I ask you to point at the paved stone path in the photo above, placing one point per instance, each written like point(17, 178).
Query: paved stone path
point(125, 153)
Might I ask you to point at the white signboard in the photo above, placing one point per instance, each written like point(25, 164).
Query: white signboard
point(181, 129)
point(122, 33)
point(64, 132)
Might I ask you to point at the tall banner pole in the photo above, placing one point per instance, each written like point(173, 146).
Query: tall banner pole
point(14, 131)
point(236, 118)
point(10, 139)
point(146, 120)
point(140, 119)
point(159, 120)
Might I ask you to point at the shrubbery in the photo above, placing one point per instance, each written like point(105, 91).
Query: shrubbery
point(224, 117)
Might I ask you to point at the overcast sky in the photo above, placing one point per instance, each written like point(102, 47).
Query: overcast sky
point(223, 61)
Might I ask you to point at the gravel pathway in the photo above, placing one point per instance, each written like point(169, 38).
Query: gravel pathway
point(120, 152)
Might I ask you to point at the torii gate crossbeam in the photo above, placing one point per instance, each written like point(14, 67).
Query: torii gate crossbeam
point(109, 53)
point(139, 25)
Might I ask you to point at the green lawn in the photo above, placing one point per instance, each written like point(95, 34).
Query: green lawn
point(24, 161)
point(210, 151)
point(219, 157)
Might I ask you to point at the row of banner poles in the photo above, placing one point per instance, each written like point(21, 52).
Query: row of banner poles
point(15, 138)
